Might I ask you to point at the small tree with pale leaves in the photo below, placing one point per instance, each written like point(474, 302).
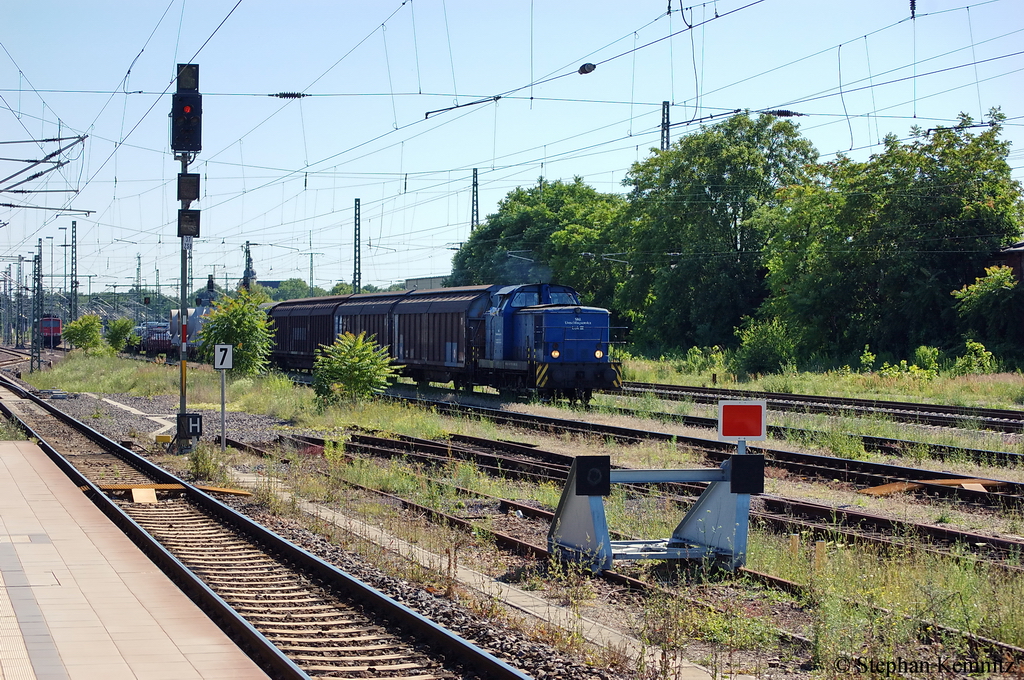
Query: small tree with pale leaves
point(85, 332)
point(241, 322)
point(353, 368)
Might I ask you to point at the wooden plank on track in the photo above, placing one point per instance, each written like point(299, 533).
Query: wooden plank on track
point(170, 487)
point(899, 487)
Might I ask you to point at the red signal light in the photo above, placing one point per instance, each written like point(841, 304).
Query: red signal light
point(187, 108)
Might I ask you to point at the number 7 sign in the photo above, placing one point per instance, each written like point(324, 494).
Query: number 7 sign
point(223, 357)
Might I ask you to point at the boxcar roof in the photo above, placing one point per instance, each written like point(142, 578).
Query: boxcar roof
point(442, 301)
point(378, 303)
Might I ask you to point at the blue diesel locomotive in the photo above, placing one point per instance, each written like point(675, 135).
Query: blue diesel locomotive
point(531, 337)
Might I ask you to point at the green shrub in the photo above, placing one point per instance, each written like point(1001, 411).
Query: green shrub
point(903, 369)
point(975, 360)
point(867, 360)
point(927, 357)
point(765, 347)
point(120, 332)
point(701, 360)
point(353, 368)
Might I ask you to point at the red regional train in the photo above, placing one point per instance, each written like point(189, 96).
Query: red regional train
point(51, 329)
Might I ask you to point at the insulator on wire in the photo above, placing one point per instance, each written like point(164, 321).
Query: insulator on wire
point(913, 8)
point(783, 113)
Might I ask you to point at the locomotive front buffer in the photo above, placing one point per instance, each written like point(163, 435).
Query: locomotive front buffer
point(715, 527)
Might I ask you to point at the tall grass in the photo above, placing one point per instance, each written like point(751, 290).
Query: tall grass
point(996, 390)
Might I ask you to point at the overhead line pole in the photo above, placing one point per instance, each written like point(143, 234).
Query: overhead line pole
point(665, 139)
point(35, 359)
point(357, 273)
point(474, 217)
point(74, 269)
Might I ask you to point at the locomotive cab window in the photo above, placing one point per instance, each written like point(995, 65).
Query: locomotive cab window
point(526, 298)
point(563, 298)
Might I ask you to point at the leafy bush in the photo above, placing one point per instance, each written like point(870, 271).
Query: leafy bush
point(701, 360)
point(903, 369)
point(927, 357)
point(765, 347)
point(975, 360)
point(353, 368)
point(120, 332)
point(867, 360)
point(85, 332)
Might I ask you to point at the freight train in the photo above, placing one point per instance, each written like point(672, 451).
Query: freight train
point(531, 337)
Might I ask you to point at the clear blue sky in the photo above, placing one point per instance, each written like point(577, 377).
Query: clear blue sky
point(285, 172)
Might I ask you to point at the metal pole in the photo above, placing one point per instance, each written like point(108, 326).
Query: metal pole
point(357, 267)
point(223, 398)
point(64, 286)
point(74, 268)
point(19, 325)
point(186, 245)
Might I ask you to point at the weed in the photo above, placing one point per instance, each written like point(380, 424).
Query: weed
point(204, 465)
point(267, 495)
point(11, 431)
point(571, 584)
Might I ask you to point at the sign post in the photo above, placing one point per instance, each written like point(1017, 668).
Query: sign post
point(223, 359)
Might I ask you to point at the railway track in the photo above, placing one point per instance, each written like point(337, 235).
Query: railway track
point(883, 445)
point(298, 616)
point(999, 420)
point(1005, 494)
point(12, 357)
point(776, 513)
point(481, 451)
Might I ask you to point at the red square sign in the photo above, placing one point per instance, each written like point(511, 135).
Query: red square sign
point(741, 420)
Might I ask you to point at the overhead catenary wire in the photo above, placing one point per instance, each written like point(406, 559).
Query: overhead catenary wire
point(498, 163)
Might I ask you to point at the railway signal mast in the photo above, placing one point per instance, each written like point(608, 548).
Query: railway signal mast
point(186, 142)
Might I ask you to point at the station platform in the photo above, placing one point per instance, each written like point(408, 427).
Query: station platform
point(79, 601)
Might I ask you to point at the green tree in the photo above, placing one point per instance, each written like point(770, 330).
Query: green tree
point(353, 368)
point(341, 288)
point(85, 332)
point(868, 252)
point(294, 289)
point(539, 234)
point(992, 308)
point(695, 258)
point(120, 332)
point(239, 321)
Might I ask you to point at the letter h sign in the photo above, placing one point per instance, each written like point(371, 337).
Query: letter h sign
point(190, 425)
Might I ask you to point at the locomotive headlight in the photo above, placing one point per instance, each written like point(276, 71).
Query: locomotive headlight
point(555, 354)
point(598, 354)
